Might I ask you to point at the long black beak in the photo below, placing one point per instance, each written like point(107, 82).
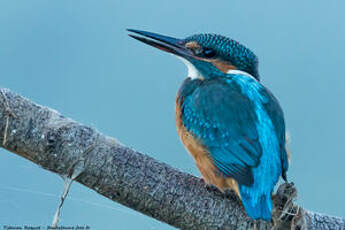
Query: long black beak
point(165, 43)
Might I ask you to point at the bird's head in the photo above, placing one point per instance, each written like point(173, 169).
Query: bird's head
point(206, 55)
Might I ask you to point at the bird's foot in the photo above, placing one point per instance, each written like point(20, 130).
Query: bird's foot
point(209, 187)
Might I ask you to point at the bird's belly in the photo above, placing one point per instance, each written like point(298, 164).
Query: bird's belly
point(203, 160)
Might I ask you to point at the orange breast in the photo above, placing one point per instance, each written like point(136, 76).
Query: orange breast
point(203, 160)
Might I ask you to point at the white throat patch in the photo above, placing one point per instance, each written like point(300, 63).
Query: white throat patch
point(192, 71)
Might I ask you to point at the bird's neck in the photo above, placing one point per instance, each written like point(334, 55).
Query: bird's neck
point(232, 72)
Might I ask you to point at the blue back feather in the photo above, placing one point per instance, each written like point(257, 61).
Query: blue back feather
point(257, 198)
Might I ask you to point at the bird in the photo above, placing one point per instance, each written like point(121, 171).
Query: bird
point(231, 124)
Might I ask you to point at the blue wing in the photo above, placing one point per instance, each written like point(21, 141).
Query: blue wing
point(276, 115)
point(223, 117)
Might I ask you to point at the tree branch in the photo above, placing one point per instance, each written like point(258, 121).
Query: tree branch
point(133, 179)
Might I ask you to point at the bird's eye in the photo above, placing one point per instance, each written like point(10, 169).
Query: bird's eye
point(209, 53)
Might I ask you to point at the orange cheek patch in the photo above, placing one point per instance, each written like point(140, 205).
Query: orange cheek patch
point(222, 65)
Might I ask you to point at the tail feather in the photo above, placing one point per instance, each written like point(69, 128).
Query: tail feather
point(261, 209)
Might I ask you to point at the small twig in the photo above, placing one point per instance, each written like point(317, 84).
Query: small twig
point(287, 207)
point(298, 221)
point(73, 172)
point(291, 213)
point(5, 132)
point(9, 113)
point(67, 185)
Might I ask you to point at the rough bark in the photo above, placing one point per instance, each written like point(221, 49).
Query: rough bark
point(136, 180)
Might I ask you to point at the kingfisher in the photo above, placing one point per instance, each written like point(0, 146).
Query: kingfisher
point(230, 123)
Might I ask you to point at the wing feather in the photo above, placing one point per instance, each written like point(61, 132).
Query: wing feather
point(224, 119)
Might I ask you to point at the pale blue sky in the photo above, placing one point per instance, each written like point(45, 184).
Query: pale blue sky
point(75, 56)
